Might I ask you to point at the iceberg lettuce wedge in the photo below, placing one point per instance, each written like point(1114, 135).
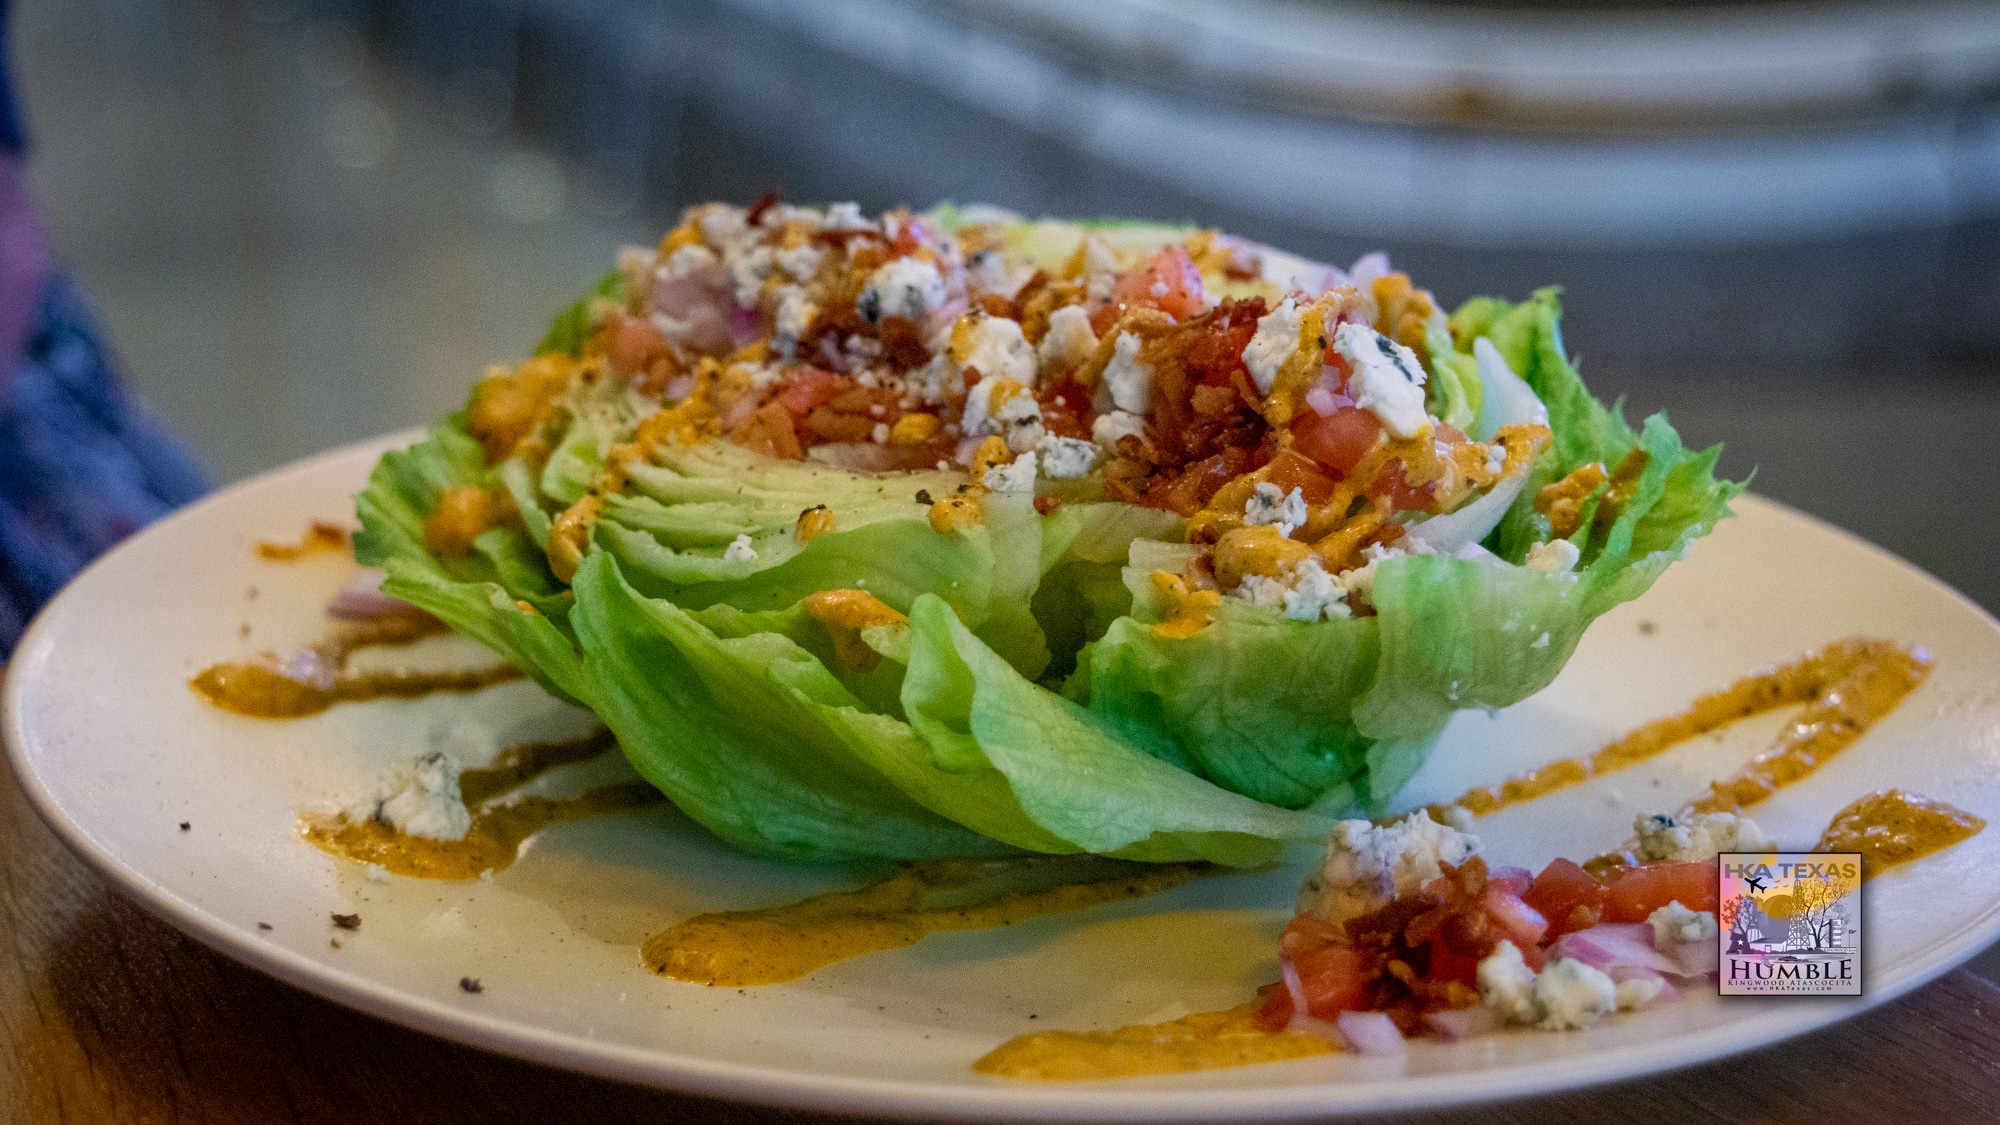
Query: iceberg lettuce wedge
point(743, 720)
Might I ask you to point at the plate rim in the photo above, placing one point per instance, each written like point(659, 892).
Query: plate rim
point(986, 1100)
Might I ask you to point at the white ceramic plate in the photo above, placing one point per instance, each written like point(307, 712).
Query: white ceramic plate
point(117, 752)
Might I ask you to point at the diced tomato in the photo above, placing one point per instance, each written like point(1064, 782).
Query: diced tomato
point(1568, 896)
point(1292, 469)
point(807, 388)
point(908, 240)
point(630, 342)
point(1167, 281)
point(1449, 964)
point(1274, 1007)
point(1635, 893)
point(1332, 974)
point(1336, 440)
point(1395, 491)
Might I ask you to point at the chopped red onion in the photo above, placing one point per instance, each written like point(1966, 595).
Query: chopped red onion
point(1465, 1023)
point(745, 325)
point(943, 317)
point(1366, 269)
point(967, 446)
point(1695, 958)
point(695, 309)
point(1292, 984)
point(307, 666)
point(1371, 1033)
point(362, 599)
point(1611, 945)
point(1523, 924)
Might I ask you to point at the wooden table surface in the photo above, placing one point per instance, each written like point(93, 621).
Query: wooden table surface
point(109, 1014)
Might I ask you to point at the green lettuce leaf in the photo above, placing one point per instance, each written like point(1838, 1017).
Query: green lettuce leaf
point(742, 721)
point(476, 595)
point(572, 326)
point(1293, 713)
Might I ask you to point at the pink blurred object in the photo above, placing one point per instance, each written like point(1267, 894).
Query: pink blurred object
point(943, 317)
point(745, 325)
point(1465, 1023)
point(696, 309)
point(1615, 945)
point(1696, 958)
point(1371, 1033)
point(362, 599)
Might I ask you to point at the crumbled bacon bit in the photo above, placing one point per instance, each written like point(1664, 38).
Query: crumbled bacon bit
point(765, 202)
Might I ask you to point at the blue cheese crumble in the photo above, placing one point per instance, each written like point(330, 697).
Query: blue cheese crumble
point(1276, 339)
point(1069, 341)
point(1697, 838)
point(1367, 865)
point(1676, 924)
point(995, 346)
point(1269, 506)
point(907, 287)
point(740, 550)
point(428, 802)
point(1507, 984)
point(1557, 556)
point(1019, 476)
point(1109, 427)
point(1387, 379)
point(1572, 995)
point(1066, 458)
point(1129, 381)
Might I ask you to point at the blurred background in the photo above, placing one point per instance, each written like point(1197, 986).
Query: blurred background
point(311, 221)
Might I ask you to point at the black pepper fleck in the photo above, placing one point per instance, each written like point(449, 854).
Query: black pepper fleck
point(470, 984)
point(263, 925)
point(347, 921)
point(185, 826)
point(924, 496)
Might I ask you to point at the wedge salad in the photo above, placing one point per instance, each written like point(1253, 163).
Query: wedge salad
point(951, 533)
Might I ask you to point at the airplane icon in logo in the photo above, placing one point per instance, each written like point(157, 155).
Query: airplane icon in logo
point(1754, 882)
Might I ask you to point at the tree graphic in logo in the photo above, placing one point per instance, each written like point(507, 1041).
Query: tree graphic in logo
point(1816, 904)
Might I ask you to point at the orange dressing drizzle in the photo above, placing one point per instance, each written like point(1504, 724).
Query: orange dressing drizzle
point(1203, 1041)
point(499, 828)
point(1193, 610)
point(260, 691)
point(1847, 686)
point(750, 947)
point(845, 613)
point(1892, 827)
